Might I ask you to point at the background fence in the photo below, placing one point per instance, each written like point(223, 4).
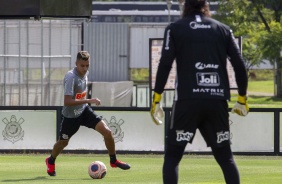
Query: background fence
point(34, 56)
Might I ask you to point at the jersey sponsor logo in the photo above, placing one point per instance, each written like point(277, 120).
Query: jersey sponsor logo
point(212, 91)
point(208, 79)
point(195, 25)
point(201, 66)
point(183, 136)
point(80, 95)
point(223, 136)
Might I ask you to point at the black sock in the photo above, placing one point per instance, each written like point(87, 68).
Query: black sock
point(113, 159)
point(51, 160)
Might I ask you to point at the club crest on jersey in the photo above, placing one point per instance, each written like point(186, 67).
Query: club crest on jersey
point(223, 136)
point(208, 79)
point(13, 131)
point(183, 136)
point(80, 82)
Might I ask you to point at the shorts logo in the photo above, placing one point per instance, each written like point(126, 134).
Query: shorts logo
point(223, 136)
point(208, 79)
point(13, 131)
point(183, 136)
point(80, 95)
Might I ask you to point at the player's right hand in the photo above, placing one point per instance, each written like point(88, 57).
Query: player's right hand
point(157, 112)
point(241, 107)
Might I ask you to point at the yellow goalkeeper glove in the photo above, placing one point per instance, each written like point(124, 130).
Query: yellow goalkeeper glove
point(241, 107)
point(157, 112)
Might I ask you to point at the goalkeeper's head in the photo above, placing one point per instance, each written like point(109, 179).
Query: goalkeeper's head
point(196, 6)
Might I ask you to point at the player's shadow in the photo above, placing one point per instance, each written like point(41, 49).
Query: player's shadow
point(34, 179)
point(25, 179)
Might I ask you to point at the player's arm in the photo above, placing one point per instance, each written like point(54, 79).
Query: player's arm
point(69, 101)
point(241, 107)
point(238, 64)
point(166, 60)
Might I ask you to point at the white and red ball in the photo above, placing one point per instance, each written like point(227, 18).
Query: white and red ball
point(97, 170)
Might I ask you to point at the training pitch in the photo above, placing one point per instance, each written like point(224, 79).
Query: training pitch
point(145, 169)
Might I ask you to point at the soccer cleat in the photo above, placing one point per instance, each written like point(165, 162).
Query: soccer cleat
point(50, 168)
point(120, 164)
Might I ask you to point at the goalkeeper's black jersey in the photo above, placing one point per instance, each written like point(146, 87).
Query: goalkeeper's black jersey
point(200, 45)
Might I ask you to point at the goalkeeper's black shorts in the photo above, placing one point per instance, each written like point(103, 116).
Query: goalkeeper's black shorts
point(211, 117)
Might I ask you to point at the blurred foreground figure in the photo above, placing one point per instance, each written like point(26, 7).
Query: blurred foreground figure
point(200, 45)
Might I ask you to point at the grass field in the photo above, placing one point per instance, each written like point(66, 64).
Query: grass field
point(146, 169)
point(260, 95)
point(263, 87)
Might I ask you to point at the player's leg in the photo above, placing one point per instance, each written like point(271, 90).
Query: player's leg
point(181, 130)
point(69, 127)
point(92, 120)
point(105, 131)
point(173, 155)
point(50, 161)
point(216, 132)
point(224, 158)
point(58, 147)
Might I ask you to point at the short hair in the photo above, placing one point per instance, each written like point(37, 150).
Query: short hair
point(83, 55)
point(196, 6)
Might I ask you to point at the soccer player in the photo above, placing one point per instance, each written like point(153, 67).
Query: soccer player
point(200, 45)
point(76, 112)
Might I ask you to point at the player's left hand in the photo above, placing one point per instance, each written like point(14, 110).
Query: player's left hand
point(157, 112)
point(96, 101)
point(241, 107)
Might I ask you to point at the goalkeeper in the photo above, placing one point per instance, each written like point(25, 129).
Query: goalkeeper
point(200, 45)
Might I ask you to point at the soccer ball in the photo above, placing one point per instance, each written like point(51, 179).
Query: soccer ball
point(97, 170)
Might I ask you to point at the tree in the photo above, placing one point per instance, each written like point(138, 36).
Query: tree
point(270, 41)
point(259, 22)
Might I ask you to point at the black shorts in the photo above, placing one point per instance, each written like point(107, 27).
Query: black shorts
point(211, 117)
point(70, 126)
